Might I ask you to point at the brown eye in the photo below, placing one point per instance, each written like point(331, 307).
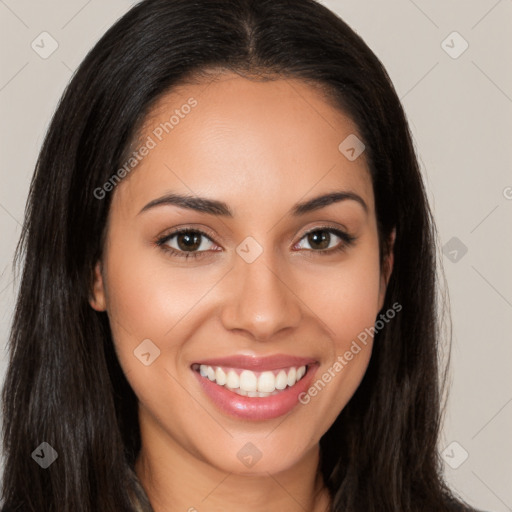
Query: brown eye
point(319, 239)
point(322, 241)
point(188, 241)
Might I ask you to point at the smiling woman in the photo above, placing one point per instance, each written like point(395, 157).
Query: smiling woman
point(228, 291)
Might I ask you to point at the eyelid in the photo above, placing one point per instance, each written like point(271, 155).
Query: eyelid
point(326, 226)
point(161, 239)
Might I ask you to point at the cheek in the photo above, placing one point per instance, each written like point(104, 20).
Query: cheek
point(148, 299)
point(147, 295)
point(145, 300)
point(347, 300)
point(346, 295)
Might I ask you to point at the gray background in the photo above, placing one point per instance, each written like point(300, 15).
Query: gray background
point(459, 105)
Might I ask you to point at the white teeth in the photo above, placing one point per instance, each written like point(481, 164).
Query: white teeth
point(260, 394)
point(281, 380)
point(233, 380)
point(292, 374)
point(266, 382)
point(248, 383)
point(220, 376)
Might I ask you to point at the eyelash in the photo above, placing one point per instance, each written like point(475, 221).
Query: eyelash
point(347, 241)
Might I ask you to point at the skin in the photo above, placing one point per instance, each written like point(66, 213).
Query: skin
point(261, 147)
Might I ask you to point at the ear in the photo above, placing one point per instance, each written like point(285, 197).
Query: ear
point(97, 299)
point(387, 268)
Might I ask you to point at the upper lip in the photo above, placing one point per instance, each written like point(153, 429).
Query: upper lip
point(258, 363)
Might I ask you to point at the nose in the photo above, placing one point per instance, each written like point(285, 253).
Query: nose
point(260, 301)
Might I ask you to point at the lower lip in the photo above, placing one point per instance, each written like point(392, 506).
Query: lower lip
point(256, 408)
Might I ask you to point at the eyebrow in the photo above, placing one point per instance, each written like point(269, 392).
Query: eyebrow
point(219, 208)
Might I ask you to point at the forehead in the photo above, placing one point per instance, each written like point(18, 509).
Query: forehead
point(237, 139)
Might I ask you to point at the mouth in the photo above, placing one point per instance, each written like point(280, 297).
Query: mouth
point(255, 388)
point(252, 384)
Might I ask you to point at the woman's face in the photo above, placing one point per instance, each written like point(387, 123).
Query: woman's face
point(276, 283)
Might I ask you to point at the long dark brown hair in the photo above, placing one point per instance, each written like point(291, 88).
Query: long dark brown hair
point(64, 385)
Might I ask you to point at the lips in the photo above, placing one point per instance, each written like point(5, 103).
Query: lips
point(255, 388)
point(274, 362)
